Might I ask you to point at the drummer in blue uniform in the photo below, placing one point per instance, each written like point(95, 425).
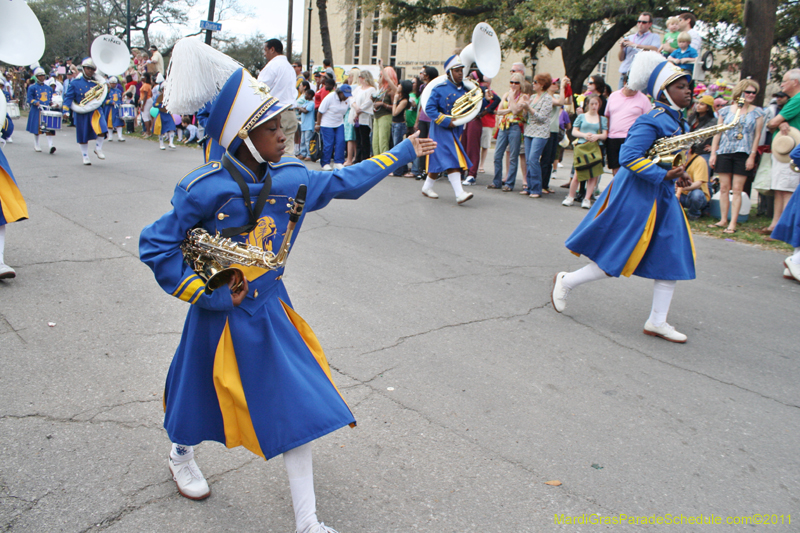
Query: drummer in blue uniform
point(637, 225)
point(89, 123)
point(449, 157)
point(111, 109)
point(39, 94)
point(788, 227)
point(248, 370)
point(164, 125)
point(12, 204)
point(7, 128)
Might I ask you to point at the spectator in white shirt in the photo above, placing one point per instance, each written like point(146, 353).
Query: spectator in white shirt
point(279, 75)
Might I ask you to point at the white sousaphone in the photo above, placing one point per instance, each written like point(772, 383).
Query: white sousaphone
point(112, 58)
point(483, 51)
point(21, 35)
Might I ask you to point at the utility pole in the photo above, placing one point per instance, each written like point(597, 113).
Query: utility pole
point(289, 33)
point(308, 44)
point(89, 27)
point(211, 5)
point(129, 25)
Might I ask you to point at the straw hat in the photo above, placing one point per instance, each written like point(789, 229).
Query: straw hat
point(782, 145)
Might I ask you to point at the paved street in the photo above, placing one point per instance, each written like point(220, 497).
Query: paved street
point(469, 390)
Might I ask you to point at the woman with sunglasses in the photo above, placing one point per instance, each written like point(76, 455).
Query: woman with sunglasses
point(509, 132)
point(733, 152)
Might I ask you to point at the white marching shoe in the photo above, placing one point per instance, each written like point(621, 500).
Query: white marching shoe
point(559, 295)
point(189, 479)
point(86, 160)
point(99, 154)
point(327, 167)
point(321, 528)
point(463, 197)
point(37, 149)
point(666, 332)
point(6, 272)
point(430, 193)
point(793, 268)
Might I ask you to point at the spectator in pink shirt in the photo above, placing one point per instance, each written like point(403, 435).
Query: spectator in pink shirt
point(622, 109)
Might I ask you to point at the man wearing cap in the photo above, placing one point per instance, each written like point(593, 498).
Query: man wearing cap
point(248, 371)
point(89, 124)
point(111, 109)
point(280, 77)
point(784, 179)
point(39, 94)
point(157, 59)
point(449, 157)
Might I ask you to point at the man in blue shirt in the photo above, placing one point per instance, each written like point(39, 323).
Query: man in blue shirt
point(643, 39)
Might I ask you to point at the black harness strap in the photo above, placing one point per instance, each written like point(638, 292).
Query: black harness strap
point(260, 201)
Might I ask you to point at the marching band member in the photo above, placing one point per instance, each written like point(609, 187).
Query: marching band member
point(12, 204)
point(164, 125)
point(788, 227)
point(88, 124)
point(7, 129)
point(248, 370)
point(637, 225)
point(111, 110)
point(39, 94)
point(449, 156)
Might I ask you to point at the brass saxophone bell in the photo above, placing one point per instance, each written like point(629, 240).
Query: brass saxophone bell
point(214, 274)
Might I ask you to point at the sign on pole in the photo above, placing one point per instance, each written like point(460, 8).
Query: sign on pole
point(212, 26)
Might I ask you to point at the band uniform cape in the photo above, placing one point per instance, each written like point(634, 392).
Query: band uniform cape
point(449, 153)
point(637, 225)
point(89, 125)
point(12, 204)
point(788, 227)
point(253, 375)
point(212, 151)
point(111, 108)
point(41, 94)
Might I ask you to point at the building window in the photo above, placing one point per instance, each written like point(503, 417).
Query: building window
point(376, 30)
point(393, 49)
point(602, 65)
point(375, 52)
point(357, 37)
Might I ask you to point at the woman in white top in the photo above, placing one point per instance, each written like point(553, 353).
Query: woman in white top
point(364, 107)
point(330, 124)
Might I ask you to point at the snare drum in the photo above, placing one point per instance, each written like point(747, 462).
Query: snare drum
point(12, 108)
point(127, 112)
point(51, 120)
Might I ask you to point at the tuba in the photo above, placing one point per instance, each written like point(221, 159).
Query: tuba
point(664, 150)
point(21, 35)
point(112, 58)
point(483, 51)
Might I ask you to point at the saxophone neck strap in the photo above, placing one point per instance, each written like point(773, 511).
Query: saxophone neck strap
point(254, 213)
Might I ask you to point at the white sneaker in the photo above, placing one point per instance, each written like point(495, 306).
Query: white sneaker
point(86, 160)
point(327, 167)
point(189, 479)
point(338, 166)
point(6, 272)
point(162, 147)
point(586, 203)
point(469, 181)
point(110, 140)
point(429, 193)
point(787, 274)
point(172, 147)
point(463, 197)
point(37, 149)
point(666, 332)
point(568, 201)
point(561, 165)
point(121, 139)
point(559, 295)
point(99, 154)
point(793, 268)
point(10, 140)
point(321, 528)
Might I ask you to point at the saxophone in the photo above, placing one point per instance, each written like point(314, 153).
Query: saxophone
point(215, 259)
point(664, 150)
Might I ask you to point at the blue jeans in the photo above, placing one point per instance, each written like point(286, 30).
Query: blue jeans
point(398, 132)
point(332, 142)
point(694, 202)
point(533, 151)
point(305, 138)
point(508, 138)
point(548, 156)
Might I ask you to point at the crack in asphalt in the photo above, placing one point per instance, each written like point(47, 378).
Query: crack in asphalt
point(676, 366)
point(14, 330)
point(75, 261)
point(91, 420)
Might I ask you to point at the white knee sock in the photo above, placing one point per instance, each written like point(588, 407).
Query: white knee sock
point(84, 149)
point(119, 132)
point(428, 184)
point(299, 468)
point(50, 141)
point(455, 181)
point(181, 453)
point(171, 136)
point(2, 242)
point(796, 257)
point(662, 296)
point(98, 144)
point(161, 141)
point(36, 141)
point(590, 272)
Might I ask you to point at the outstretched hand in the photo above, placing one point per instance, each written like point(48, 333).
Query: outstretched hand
point(422, 147)
point(675, 172)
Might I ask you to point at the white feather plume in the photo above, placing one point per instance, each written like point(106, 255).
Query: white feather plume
point(196, 74)
point(644, 63)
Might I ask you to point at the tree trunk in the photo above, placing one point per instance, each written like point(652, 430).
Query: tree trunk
point(327, 50)
point(760, 25)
